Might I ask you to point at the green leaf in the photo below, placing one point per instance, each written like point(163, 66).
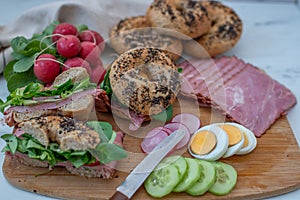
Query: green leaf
point(165, 115)
point(9, 70)
point(24, 64)
point(19, 43)
point(107, 152)
point(17, 56)
point(104, 129)
point(82, 27)
point(180, 70)
point(31, 90)
point(11, 141)
point(18, 80)
point(105, 84)
point(34, 145)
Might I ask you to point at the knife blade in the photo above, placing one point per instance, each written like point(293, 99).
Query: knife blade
point(136, 178)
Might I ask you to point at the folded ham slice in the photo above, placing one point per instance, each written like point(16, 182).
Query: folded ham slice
point(246, 94)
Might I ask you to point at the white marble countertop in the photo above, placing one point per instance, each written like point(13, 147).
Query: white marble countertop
point(270, 40)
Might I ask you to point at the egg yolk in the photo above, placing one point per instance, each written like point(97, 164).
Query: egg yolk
point(234, 134)
point(203, 142)
point(246, 141)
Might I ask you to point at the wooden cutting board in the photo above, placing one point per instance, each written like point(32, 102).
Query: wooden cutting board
point(273, 168)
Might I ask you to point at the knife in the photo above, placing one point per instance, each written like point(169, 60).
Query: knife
point(136, 178)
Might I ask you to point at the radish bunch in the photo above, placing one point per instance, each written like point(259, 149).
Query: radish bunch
point(74, 49)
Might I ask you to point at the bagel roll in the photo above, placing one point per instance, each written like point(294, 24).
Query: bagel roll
point(136, 32)
point(226, 30)
point(188, 18)
point(145, 80)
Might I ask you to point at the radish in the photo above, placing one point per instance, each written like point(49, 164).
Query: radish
point(46, 68)
point(91, 52)
point(63, 29)
point(92, 36)
point(152, 139)
point(98, 74)
point(192, 122)
point(68, 46)
point(175, 126)
point(77, 62)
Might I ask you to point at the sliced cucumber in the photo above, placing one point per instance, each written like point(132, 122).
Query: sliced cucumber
point(226, 178)
point(179, 162)
point(206, 180)
point(162, 180)
point(190, 177)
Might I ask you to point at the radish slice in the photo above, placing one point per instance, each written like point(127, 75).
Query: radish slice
point(192, 122)
point(161, 128)
point(153, 138)
point(175, 126)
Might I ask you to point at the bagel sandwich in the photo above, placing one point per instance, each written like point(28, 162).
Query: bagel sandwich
point(143, 83)
point(89, 149)
point(71, 94)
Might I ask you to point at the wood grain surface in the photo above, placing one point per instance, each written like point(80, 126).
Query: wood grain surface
point(273, 168)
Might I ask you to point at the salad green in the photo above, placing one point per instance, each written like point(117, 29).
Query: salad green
point(105, 151)
point(26, 95)
point(19, 72)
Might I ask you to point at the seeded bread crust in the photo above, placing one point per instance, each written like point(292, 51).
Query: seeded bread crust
point(67, 132)
point(145, 80)
point(136, 32)
point(188, 17)
point(225, 32)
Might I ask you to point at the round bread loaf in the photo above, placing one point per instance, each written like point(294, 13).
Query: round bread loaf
point(145, 80)
point(188, 17)
point(136, 32)
point(225, 31)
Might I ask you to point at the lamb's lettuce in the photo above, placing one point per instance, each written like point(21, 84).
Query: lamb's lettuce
point(105, 151)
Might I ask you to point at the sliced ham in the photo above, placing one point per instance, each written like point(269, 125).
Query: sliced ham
point(102, 104)
point(243, 92)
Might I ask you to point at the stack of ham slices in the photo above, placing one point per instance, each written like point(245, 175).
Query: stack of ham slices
point(243, 92)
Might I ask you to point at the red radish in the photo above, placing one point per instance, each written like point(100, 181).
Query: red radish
point(192, 122)
point(152, 139)
point(92, 36)
point(91, 52)
point(175, 126)
point(68, 46)
point(63, 29)
point(77, 62)
point(46, 68)
point(98, 74)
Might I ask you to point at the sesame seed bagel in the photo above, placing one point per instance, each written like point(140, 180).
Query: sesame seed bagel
point(136, 32)
point(188, 17)
point(145, 80)
point(225, 32)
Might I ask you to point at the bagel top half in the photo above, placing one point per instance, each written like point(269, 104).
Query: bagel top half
point(187, 17)
point(145, 80)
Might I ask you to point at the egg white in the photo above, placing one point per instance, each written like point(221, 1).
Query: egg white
point(252, 141)
point(235, 148)
point(220, 148)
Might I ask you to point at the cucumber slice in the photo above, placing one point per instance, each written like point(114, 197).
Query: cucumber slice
point(190, 177)
point(179, 162)
point(162, 180)
point(226, 178)
point(206, 180)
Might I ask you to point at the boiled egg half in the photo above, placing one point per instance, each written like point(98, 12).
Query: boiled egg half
point(221, 140)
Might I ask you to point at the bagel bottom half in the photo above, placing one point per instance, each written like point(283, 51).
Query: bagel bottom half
point(134, 32)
